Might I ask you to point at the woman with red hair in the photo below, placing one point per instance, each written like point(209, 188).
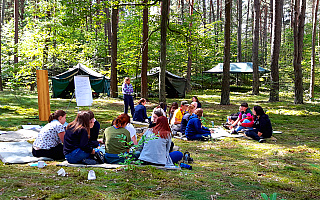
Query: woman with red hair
point(157, 145)
point(114, 146)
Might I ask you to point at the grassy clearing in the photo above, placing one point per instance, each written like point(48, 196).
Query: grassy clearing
point(226, 169)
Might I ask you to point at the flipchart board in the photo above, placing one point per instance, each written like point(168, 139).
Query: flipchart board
point(83, 91)
point(43, 95)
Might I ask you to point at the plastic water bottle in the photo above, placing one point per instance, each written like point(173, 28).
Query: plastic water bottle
point(183, 165)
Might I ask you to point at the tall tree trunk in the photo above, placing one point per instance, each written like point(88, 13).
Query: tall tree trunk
point(2, 10)
point(265, 24)
point(247, 25)
point(239, 55)
point(204, 9)
point(144, 68)
point(107, 35)
point(114, 43)
point(225, 90)
point(298, 32)
point(1, 88)
point(313, 52)
point(16, 30)
point(255, 47)
point(218, 10)
point(188, 88)
point(163, 50)
point(182, 11)
point(275, 49)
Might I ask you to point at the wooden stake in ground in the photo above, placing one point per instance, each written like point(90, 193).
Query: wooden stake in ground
point(43, 95)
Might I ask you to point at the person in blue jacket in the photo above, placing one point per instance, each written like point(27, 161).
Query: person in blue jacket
point(194, 130)
point(140, 111)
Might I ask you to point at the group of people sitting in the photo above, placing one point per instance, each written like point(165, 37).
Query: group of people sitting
point(255, 124)
point(77, 143)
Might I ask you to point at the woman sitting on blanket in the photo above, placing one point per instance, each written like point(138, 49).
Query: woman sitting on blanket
point(157, 145)
point(140, 111)
point(194, 130)
point(112, 138)
point(77, 148)
point(49, 141)
point(261, 125)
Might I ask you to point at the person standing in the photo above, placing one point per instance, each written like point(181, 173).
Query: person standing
point(127, 91)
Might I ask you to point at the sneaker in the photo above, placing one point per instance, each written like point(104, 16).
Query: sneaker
point(262, 141)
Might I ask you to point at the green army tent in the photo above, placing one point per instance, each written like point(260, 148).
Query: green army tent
point(175, 85)
point(63, 84)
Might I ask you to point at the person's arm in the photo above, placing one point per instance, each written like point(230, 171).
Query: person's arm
point(145, 113)
point(198, 127)
point(134, 140)
point(84, 145)
point(61, 136)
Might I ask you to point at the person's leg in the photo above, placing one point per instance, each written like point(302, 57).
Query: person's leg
point(126, 103)
point(199, 136)
point(56, 153)
point(253, 134)
point(112, 158)
point(176, 156)
point(77, 156)
point(131, 105)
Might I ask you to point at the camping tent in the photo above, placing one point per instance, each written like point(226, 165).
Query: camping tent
point(175, 85)
point(235, 68)
point(63, 84)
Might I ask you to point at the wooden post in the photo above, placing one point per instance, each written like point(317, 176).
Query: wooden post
point(43, 95)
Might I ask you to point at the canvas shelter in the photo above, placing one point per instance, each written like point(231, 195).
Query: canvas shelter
point(63, 84)
point(175, 85)
point(236, 68)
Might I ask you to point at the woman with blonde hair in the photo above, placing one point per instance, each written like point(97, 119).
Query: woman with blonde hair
point(76, 147)
point(127, 91)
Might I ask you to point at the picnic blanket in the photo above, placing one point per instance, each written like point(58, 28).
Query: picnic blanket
point(17, 153)
point(110, 166)
point(19, 135)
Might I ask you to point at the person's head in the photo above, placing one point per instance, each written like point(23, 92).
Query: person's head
point(59, 115)
point(195, 104)
point(126, 80)
point(156, 114)
point(82, 121)
point(244, 106)
point(184, 105)
point(91, 118)
point(122, 120)
point(199, 112)
point(191, 108)
point(258, 111)
point(195, 99)
point(162, 128)
point(174, 106)
point(142, 101)
point(161, 105)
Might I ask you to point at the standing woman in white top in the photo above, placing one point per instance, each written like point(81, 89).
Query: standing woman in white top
point(49, 141)
point(127, 91)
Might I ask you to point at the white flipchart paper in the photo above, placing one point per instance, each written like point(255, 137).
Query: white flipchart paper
point(83, 91)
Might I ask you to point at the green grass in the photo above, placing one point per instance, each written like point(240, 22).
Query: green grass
point(225, 169)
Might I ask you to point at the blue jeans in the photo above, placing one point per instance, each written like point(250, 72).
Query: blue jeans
point(199, 136)
point(239, 128)
point(76, 156)
point(112, 158)
point(128, 101)
point(176, 156)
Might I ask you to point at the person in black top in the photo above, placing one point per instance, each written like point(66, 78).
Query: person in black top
point(195, 99)
point(261, 125)
point(94, 131)
point(156, 114)
point(140, 111)
point(76, 146)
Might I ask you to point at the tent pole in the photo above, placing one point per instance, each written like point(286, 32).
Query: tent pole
point(70, 102)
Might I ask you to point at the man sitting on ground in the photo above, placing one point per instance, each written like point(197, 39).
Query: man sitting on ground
point(243, 111)
point(177, 117)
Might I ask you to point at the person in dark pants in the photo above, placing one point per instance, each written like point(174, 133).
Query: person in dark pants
point(194, 129)
point(127, 91)
point(49, 141)
point(261, 125)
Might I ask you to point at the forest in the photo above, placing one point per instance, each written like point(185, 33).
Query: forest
point(128, 38)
